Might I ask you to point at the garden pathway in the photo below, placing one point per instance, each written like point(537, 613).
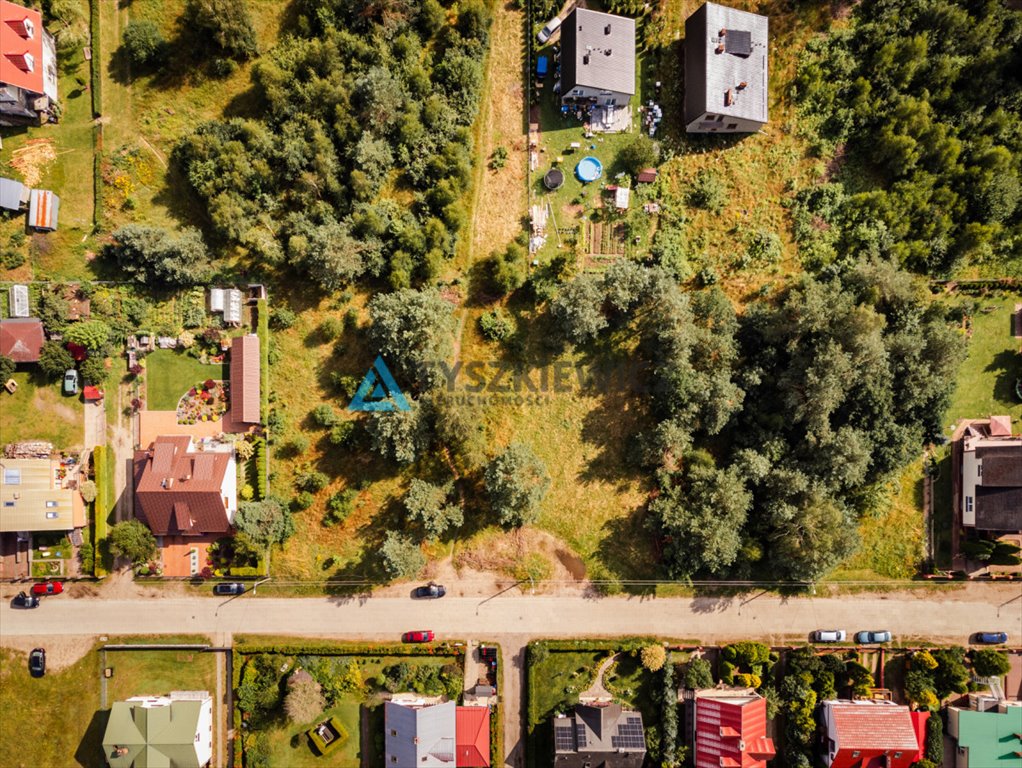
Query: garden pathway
point(597, 691)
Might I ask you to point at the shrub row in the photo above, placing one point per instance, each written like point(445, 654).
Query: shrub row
point(246, 572)
point(351, 649)
point(96, 68)
point(615, 645)
point(261, 469)
point(97, 177)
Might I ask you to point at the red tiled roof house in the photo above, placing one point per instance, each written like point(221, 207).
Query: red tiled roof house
point(731, 729)
point(245, 379)
point(22, 339)
point(184, 492)
point(28, 66)
point(472, 737)
point(870, 734)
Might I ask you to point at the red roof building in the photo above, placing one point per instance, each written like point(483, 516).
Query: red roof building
point(28, 64)
point(731, 729)
point(647, 176)
point(21, 339)
point(179, 492)
point(472, 737)
point(245, 379)
point(91, 393)
point(871, 734)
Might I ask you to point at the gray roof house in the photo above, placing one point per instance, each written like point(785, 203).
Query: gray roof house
point(597, 58)
point(991, 476)
point(174, 731)
point(418, 736)
point(604, 736)
point(725, 70)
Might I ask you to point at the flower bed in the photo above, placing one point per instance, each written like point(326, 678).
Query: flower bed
point(206, 401)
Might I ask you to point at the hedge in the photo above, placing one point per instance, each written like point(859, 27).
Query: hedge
point(103, 506)
point(321, 747)
point(263, 331)
point(247, 572)
point(496, 726)
point(98, 214)
point(96, 69)
point(616, 645)
point(351, 649)
point(261, 468)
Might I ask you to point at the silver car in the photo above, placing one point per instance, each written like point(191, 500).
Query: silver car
point(70, 382)
point(876, 636)
point(548, 29)
point(829, 635)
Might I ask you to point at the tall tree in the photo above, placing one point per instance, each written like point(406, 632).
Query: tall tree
point(516, 482)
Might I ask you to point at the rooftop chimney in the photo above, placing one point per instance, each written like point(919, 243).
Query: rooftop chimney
point(729, 97)
point(169, 483)
point(742, 85)
point(585, 59)
point(606, 30)
point(722, 33)
point(719, 48)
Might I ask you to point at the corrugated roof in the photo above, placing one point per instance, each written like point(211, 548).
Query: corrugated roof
point(21, 339)
point(872, 725)
point(18, 303)
point(11, 194)
point(171, 497)
point(714, 67)
point(598, 52)
point(245, 379)
point(232, 306)
point(472, 737)
point(43, 207)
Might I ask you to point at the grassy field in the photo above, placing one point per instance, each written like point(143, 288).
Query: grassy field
point(290, 748)
point(41, 412)
point(169, 374)
point(159, 672)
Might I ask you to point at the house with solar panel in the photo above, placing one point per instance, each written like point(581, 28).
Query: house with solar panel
point(604, 735)
point(726, 75)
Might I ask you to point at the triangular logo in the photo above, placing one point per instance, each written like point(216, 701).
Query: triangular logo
point(379, 392)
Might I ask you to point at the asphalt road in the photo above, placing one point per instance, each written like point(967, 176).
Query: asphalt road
point(935, 616)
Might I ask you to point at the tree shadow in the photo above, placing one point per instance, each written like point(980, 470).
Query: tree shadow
point(1008, 368)
point(89, 753)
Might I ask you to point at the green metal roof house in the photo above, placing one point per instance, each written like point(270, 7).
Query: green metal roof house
point(988, 739)
point(174, 731)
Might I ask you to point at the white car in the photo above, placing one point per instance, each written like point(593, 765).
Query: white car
point(548, 29)
point(70, 382)
point(829, 635)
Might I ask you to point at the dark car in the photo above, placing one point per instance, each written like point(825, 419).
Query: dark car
point(991, 638)
point(431, 591)
point(37, 662)
point(229, 588)
point(25, 601)
point(876, 636)
point(420, 636)
point(48, 588)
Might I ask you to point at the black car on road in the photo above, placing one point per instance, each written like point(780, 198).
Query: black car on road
point(37, 662)
point(229, 588)
point(430, 592)
point(23, 600)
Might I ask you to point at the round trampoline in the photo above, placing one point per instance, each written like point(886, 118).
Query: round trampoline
point(554, 179)
point(588, 169)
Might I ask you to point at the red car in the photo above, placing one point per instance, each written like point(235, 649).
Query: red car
point(422, 636)
point(48, 588)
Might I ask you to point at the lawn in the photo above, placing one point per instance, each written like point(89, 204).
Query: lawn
point(170, 374)
point(986, 380)
point(159, 672)
point(290, 747)
point(39, 411)
point(67, 701)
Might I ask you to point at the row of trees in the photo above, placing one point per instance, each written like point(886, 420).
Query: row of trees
point(810, 402)
point(364, 99)
point(933, 162)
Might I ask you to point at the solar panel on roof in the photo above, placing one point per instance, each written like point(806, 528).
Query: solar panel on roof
point(580, 734)
point(563, 739)
point(738, 42)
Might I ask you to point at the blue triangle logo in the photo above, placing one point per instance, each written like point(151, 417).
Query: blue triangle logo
point(378, 391)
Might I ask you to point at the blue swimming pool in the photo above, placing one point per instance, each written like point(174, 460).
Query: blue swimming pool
point(588, 169)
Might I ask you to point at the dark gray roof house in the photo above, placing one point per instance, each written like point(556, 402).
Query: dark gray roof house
point(725, 70)
point(597, 58)
point(600, 736)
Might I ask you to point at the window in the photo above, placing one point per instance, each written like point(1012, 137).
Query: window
point(732, 126)
point(710, 117)
point(856, 753)
point(393, 732)
point(12, 476)
point(52, 515)
point(979, 469)
point(897, 755)
point(720, 118)
point(968, 503)
point(51, 504)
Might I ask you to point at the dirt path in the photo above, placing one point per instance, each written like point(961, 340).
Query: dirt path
point(512, 649)
point(95, 425)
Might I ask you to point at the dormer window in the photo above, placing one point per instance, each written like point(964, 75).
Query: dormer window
point(29, 28)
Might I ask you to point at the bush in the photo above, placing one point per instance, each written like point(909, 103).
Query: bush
point(402, 557)
point(226, 25)
point(282, 318)
point(698, 674)
point(54, 360)
point(496, 325)
point(88, 491)
point(302, 501)
point(143, 42)
point(331, 329)
point(934, 750)
point(339, 507)
point(653, 657)
point(312, 481)
point(642, 152)
point(516, 482)
point(990, 663)
point(342, 433)
point(133, 540)
point(304, 700)
point(323, 415)
point(708, 191)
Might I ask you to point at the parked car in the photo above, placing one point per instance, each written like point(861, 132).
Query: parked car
point(875, 636)
point(430, 591)
point(48, 588)
point(420, 636)
point(829, 635)
point(70, 382)
point(548, 29)
point(37, 662)
point(22, 600)
point(991, 638)
point(229, 588)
